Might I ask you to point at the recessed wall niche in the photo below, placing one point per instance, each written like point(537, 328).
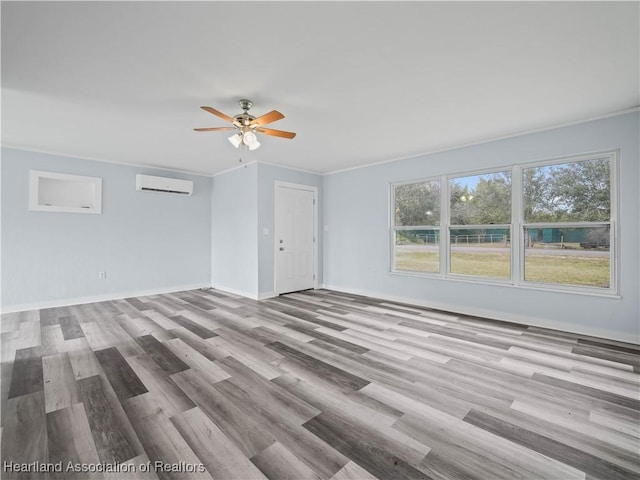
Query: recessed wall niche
point(63, 192)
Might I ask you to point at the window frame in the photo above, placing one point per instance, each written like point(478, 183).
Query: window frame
point(517, 227)
point(612, 156)
point(455, 226)
point(395, 228)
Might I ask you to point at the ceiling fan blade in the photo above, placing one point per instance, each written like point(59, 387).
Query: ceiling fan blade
point(213, 129)
point(218, 113)
point(270, 117)
point(276, 133)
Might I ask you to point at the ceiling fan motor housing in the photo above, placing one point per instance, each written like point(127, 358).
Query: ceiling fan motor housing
point(244, 119)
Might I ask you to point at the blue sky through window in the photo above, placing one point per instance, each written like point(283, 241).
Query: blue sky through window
point(469, 182)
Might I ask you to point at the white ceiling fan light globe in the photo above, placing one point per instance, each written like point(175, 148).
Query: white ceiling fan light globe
point(254, 145)
point(235, 139)
point(249, 138)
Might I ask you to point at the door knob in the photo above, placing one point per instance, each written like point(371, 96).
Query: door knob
point(282, 249)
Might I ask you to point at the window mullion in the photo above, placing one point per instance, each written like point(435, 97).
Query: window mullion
point(517, 231)
point(444, 227)
point(614, 179)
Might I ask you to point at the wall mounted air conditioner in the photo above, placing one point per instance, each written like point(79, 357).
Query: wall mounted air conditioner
point(149, 183)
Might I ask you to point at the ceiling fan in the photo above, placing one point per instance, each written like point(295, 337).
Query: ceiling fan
point(246, 125)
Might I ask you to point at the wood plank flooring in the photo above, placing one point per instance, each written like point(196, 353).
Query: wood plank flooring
point(310, 385)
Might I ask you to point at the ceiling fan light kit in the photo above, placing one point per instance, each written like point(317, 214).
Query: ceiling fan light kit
point(247, 126)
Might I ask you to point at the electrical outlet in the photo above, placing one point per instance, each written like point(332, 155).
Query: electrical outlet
point(102, 275)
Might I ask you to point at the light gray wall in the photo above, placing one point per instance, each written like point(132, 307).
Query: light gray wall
point(144, 241)
point(243, 206)
point(357, 243)
point(234, 239)
point(267, 177)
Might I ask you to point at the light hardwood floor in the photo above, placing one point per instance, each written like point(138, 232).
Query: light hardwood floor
point(311, 385)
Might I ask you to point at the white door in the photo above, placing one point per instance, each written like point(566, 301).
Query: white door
point(294, 237)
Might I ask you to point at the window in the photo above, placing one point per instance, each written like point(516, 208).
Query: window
point(416, 226)
point(561, 234)
point(480, 225)
point(567, 223)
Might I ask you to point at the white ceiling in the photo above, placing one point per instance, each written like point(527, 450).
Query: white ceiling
point(359, 82)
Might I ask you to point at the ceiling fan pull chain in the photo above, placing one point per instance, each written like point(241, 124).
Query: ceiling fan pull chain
point(243, 152)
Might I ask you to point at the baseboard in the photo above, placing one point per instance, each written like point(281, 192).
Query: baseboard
point(234, 291)
point(494, 315)
point(101, 298)
point(265, 295)
point(252, 296)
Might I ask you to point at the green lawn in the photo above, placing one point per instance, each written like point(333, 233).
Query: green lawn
point(560, 269)
point(418, 261)
point(494, 265)
point(586, 271)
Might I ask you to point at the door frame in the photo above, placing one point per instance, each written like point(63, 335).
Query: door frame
point(309, 188)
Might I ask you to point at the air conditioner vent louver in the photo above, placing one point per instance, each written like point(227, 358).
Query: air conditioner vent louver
point(149, 183)
point(146, 189)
